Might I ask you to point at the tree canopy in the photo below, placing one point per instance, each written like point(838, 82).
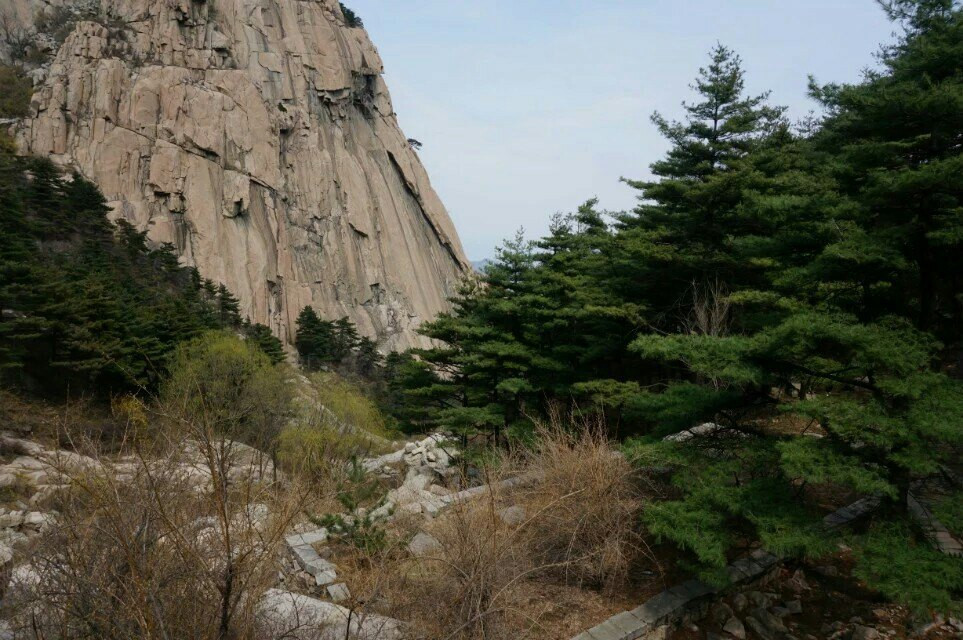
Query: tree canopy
point(796, 286)
point(87, 305)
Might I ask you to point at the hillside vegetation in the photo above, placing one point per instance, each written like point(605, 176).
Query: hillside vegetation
point(89, 306)
point(774, 332)
point(797, 285)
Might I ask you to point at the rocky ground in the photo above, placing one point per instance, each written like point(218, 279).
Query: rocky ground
point(813, 604)
point(423, 469)
point(419, 482)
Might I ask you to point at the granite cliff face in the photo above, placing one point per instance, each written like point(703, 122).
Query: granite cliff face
point(259, 138)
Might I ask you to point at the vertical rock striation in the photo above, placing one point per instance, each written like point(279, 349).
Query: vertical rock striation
point(258, 137)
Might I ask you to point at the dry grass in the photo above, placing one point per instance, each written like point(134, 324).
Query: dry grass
point(584, 510)
point(578, 530)
point(173, 530)
point(463, 589)
point(179, 544)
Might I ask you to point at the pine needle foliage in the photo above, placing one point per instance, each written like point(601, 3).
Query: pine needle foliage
point(89, 306)
point(351, 18)
point(795, 288)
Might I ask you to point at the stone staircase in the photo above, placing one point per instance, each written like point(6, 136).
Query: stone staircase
point(691, 599)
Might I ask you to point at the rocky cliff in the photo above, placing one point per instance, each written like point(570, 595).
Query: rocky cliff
point(258, 137)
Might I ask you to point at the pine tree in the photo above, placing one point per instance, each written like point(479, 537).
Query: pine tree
point(678, 235)
point(823, 321)
point(266, 341)
point(86, 305)
point(305, 340)
point(898, 136)
point(580, 329)
point(369, 359)
point(228, 307)
point(344, 339)
point(314, 340)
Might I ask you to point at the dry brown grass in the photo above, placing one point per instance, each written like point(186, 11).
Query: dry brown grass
point(463, 589)
point(579, 530)
point(585, 506)
point(176, 545)
point(171, 528)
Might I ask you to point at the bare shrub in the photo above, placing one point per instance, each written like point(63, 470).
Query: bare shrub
point(481, 561)
point(462, 589)
point(173, 543)
point(178, 535)
point(711, 307)
point(572, 516)
point(583, 505)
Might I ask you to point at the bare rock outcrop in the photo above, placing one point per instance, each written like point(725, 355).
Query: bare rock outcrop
point(258, 137)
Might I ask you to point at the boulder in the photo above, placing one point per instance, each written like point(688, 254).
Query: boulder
point(338, 592)
point(299, 617)
point(861, 632)
point(413, 508)
point(759, 599)
point(798, 581)
point(11, 519)
point(423, 544)
point(735, 628)
point(765, 624)
point(417, 481)
point(383, 511)
point(513, 516)
point(720, 612)
point(37, 520)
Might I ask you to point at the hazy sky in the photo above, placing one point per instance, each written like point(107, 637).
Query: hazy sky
point(529, 107)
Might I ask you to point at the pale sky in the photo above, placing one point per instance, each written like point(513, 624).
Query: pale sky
point(530, 107)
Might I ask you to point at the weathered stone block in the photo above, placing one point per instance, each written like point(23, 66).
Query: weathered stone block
point(658, 608)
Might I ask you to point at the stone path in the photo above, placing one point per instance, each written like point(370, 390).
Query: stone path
point(297, 616)
point(691, 598)
point(420, 463)
point(919, 506)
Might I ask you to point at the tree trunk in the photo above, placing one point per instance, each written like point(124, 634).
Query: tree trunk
point(927, 282)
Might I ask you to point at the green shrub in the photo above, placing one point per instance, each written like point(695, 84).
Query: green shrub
point(949, 511)
point(351, 18)
point(360, 530)
point(227, 386)
point(350, 405)
point(15, 92)
point(262, 336)
point(311, 450)
point(905, 571)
